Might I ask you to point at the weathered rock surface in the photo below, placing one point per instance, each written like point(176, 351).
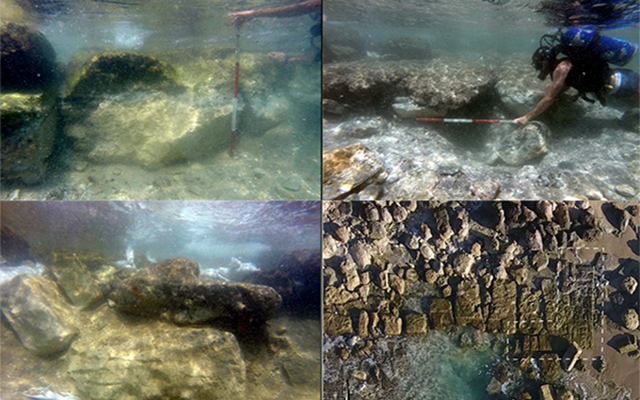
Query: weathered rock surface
point(38, 314)
point(173, 286)
point(89, 77)
point(467, 306)
point(73, 277)
point(348, 170)
point(416, 324)
point(151, 364)
point(523, 145)
point(28, 59)
point(152, 131)
point(441, 314)
point(337, 324)
point(28, 133)
point(430, 86)
point(630, 319)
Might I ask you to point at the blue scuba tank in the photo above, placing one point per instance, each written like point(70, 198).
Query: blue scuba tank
point(609, 49)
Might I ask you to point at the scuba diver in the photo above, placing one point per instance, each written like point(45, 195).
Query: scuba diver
point(585, 67)
point(311, 7)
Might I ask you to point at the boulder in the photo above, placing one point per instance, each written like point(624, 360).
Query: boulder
point(152, 130)
point(336, 324)
point(446, 85)
point(441, 314)
point(630, 319)
point(523, 145)
point(463, 264)
point(350, 273)
point(416, 323)
point(150, 363)
point(348, 170)
point(75, 280)
point(502, 310)
point(38, 314)
point(27, 60)
point(392, 325)
point(338, 296)
point(364, 83)
point(92, 76)
point(467, 308)
point(173, 286)
point(361, 254)
point(629, 284)
point(28, 125)
point(363, 324)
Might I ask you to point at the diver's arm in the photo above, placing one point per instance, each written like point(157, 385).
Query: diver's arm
point(291, 10)
point(557, 85)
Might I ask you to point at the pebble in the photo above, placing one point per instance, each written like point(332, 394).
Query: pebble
point(81, 165)
point(292, 184)
point(117, 171)
point(625, 190)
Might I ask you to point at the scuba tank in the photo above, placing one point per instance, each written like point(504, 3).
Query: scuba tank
point(612, 50)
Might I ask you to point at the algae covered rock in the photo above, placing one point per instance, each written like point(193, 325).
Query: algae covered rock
point(27, 59)
point(116, 72)
point(38, 314)
point(28, 134)
point(173, 286)
point(156, 360)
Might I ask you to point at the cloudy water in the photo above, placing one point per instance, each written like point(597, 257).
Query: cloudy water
point(138, 102)
point(194, 300)
point(387, 64)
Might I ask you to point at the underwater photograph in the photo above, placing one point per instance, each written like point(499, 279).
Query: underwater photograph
point(160, 100)
point(481, 100)
point(481, 300)
point(160, 300)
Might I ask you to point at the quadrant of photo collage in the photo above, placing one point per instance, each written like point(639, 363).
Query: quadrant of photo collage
point(481, 100)
point(160, 100)
point(160, 300)
point(480, 300)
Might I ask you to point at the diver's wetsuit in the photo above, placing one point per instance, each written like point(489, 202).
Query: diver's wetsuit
point(595, 76)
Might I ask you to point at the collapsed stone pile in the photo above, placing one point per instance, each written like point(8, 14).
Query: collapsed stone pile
point(166, 331)
point(501, 268)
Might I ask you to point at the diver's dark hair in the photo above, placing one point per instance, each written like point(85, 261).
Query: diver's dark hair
point(544, 56)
